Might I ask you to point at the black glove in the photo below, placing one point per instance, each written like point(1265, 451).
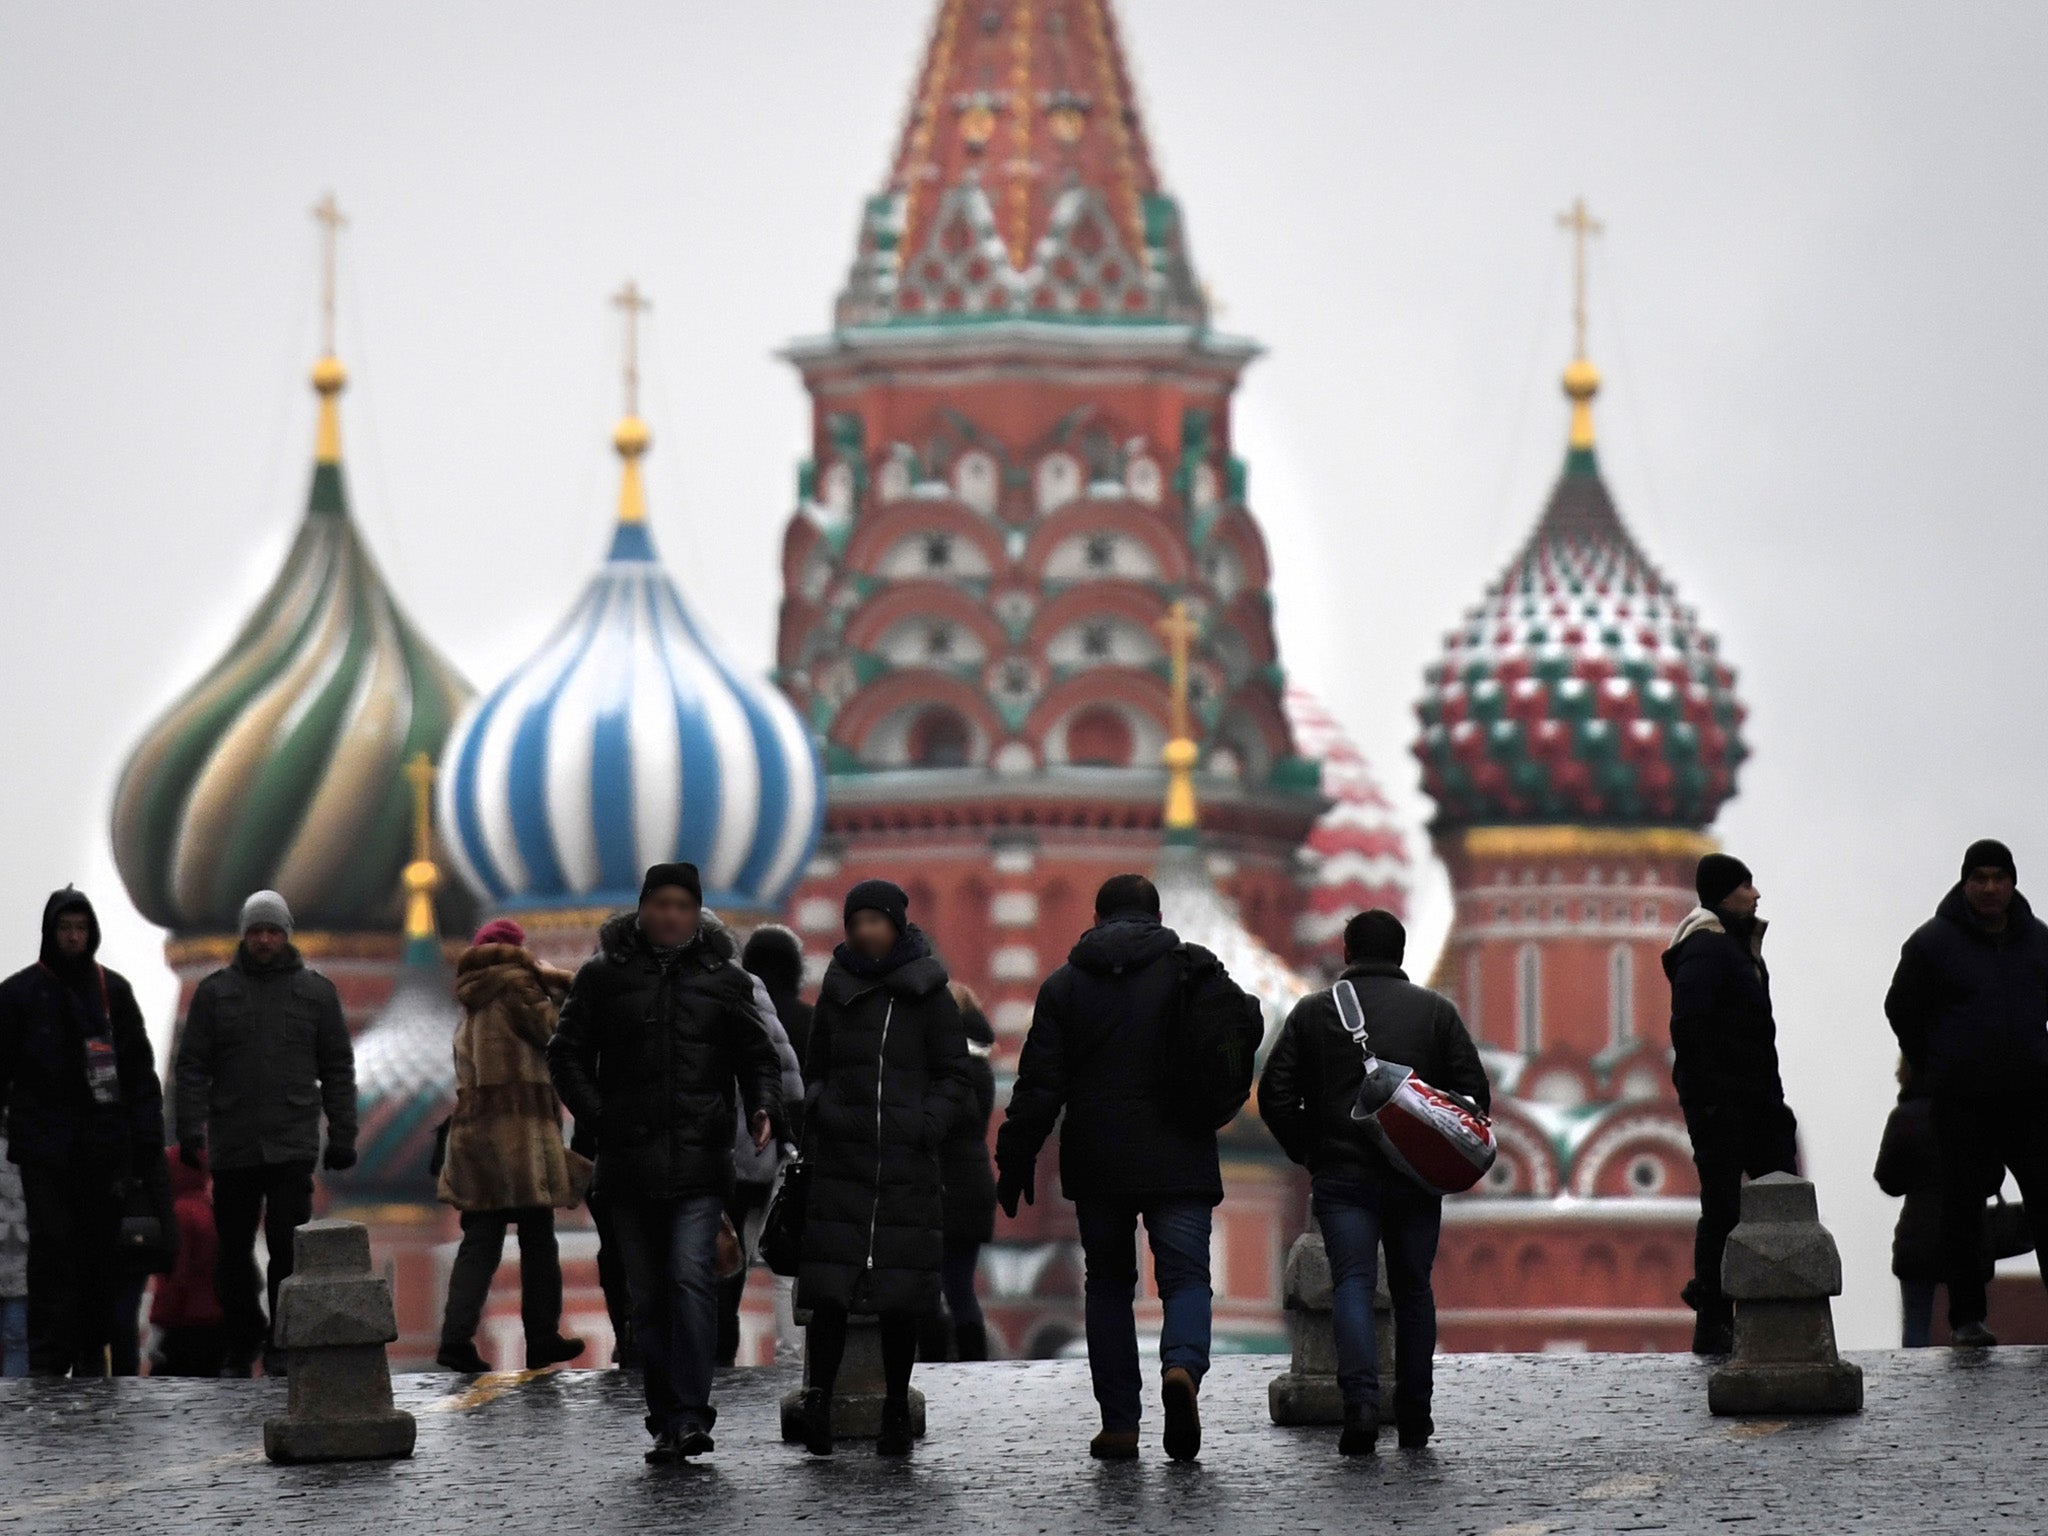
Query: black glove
point(1011, 1183)
point(192, 1152)
point(339, 1159)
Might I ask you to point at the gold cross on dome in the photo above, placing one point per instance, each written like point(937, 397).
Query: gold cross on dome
point(328, 215)
point(1178, 631)
point(1582, 227)
point(633, 304)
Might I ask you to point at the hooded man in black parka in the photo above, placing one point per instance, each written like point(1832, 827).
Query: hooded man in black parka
point(85, 1115)
point(1969, 1004)
point(1104, 1024)
point(1724, 1050)
point(887, 1085)
point(660, 1042)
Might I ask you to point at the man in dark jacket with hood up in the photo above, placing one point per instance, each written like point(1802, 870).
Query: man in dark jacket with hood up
point(659, 1041)
point(85, 1114)
point(1969, 1004)
point(1311, 1080)
point(264, 1050)
point(1104, 1024)
point(1724, 1045)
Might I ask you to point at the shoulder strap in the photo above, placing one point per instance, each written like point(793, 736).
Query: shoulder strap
point(1351, 1014)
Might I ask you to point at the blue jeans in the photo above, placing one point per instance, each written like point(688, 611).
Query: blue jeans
point(1916, 1313)
point(13, 1336)
point(668, 1248)
point(1359, 1212)
point(1179, 1233)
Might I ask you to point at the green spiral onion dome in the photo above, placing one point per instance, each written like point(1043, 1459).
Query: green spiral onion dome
point(1580, 689)
point(284, 765)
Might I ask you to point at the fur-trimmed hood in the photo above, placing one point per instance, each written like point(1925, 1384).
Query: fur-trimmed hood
point(620, 939)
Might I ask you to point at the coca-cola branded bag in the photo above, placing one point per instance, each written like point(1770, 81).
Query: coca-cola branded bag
point(1436, 1138)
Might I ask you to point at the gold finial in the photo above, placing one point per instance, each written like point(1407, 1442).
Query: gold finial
point(328, 374)
point(1581, 378)
point(1178, 630)
point(631, 436)
point(422, 877)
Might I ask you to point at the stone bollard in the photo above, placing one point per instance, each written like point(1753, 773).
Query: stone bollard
point(1307, 1392)
point(1781, 1267)
point(857, 1395)
point(334, 1318)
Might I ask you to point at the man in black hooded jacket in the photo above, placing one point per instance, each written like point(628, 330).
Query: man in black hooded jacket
point(85, 1114)
point(1104, 1024)
point(1724, 1048)
point(1969, 1004)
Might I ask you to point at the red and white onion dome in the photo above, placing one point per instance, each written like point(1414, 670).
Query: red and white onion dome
point(1356, 856)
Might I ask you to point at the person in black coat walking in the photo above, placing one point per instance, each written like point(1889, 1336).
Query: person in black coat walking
point(888, 1084)
point(85, 1116)
point(1311, 1080)
point(775, 956)
point(960, 1332)
point(265, 1049)
point(660, 1041)
point(1724, 1044)
point(1909, 1170)
point(1103, 1026)
point(1969, 1004)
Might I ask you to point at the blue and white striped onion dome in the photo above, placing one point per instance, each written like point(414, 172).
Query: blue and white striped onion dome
point(629, 740)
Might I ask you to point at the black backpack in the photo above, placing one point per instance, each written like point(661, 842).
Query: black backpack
point(1212, 1047)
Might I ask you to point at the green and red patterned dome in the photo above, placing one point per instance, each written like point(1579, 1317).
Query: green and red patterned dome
point(1580, 689)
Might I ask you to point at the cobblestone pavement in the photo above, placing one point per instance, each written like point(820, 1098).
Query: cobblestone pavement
point(1528, 1446)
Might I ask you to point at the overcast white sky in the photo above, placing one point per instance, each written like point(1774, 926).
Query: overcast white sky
point(1819, 309)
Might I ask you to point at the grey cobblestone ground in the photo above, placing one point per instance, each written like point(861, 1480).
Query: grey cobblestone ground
point(1529, 1446)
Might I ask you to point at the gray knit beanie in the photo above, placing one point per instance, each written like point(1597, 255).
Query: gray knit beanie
point(266, 907)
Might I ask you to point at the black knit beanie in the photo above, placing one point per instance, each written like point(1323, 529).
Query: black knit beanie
point(880, 896)
point(1719, 876)
point(1989, 852)
point(684, 875)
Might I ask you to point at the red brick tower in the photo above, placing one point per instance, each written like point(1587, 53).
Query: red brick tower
point(1578, 736)
point(1021, 457)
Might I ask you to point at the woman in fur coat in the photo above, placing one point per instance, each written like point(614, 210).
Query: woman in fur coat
point(505, 1163)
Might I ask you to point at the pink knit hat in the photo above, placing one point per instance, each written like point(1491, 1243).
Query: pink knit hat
point(501, 930)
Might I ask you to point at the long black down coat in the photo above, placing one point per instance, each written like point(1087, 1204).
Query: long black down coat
point(888, 1083)
point(652, 1055)
point(1970, 1008)
point(1724, 1040)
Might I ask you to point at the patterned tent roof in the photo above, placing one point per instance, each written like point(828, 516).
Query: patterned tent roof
point(626, 740)
point(1581, 688)
point(282, 766)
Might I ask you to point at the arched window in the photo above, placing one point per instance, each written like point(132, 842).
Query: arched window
point(1529, 1000)
point(1099, 737)
point(940, 739)
point(1621, 995)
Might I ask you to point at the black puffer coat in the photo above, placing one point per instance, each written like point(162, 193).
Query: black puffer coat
point(45, 1013)
point(970, 1179)
point(888, 1083)
point(651, 1054)
point(1724, 1041)
point(1313, 1075)
point(1970, 1008)
point(1102, 1027)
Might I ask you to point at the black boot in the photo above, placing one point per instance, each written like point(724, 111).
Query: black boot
point(817, 1420)
point(1361, 1436)
point(970, 1341)
point(461, 1357)
point(895, 1438)
point(1713, 1330)
point(1414, 1429)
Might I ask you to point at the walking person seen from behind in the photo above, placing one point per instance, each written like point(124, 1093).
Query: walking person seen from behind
point(1105, 1026)
point(1724, 1046)
point(1969, 1004)
point(505, 1164)
point(888, 1083)
point(84, 1118)
point(1361, 1201)
point(264, 1052)
point(970, 1198)
point(659, 1040)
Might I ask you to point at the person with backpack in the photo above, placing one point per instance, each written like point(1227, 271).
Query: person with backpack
point(1361, 1201)
point(1111, 1033)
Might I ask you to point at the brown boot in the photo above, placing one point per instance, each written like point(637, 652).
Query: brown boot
point(1114, 1445)
point(1183, 1418)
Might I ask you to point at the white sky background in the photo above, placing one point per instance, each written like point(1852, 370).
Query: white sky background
point(1819, 312)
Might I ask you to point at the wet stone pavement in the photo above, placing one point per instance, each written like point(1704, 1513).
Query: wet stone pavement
point(1528, 1446)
